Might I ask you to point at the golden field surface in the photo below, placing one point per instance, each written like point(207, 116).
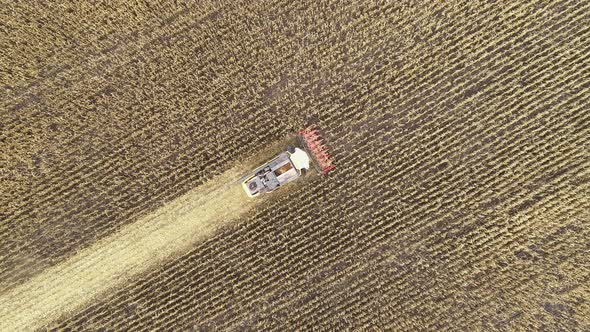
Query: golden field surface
point(461, 131)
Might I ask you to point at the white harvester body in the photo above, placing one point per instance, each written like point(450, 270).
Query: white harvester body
point(291, 164)
point(282, 169)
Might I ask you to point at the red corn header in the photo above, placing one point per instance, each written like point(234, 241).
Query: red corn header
point(313, 141)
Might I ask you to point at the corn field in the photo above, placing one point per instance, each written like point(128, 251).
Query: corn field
point(460, 131)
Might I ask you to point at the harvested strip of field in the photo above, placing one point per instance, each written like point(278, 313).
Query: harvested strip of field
point(115, 260)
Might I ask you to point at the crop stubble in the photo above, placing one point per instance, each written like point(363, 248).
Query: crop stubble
point(460, 200)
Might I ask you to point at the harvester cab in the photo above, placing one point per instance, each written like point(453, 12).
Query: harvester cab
point(290, 164)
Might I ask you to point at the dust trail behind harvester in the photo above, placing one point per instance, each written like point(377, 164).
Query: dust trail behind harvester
point(111, 261)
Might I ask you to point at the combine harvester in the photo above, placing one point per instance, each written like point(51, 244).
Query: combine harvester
point(291, 164)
